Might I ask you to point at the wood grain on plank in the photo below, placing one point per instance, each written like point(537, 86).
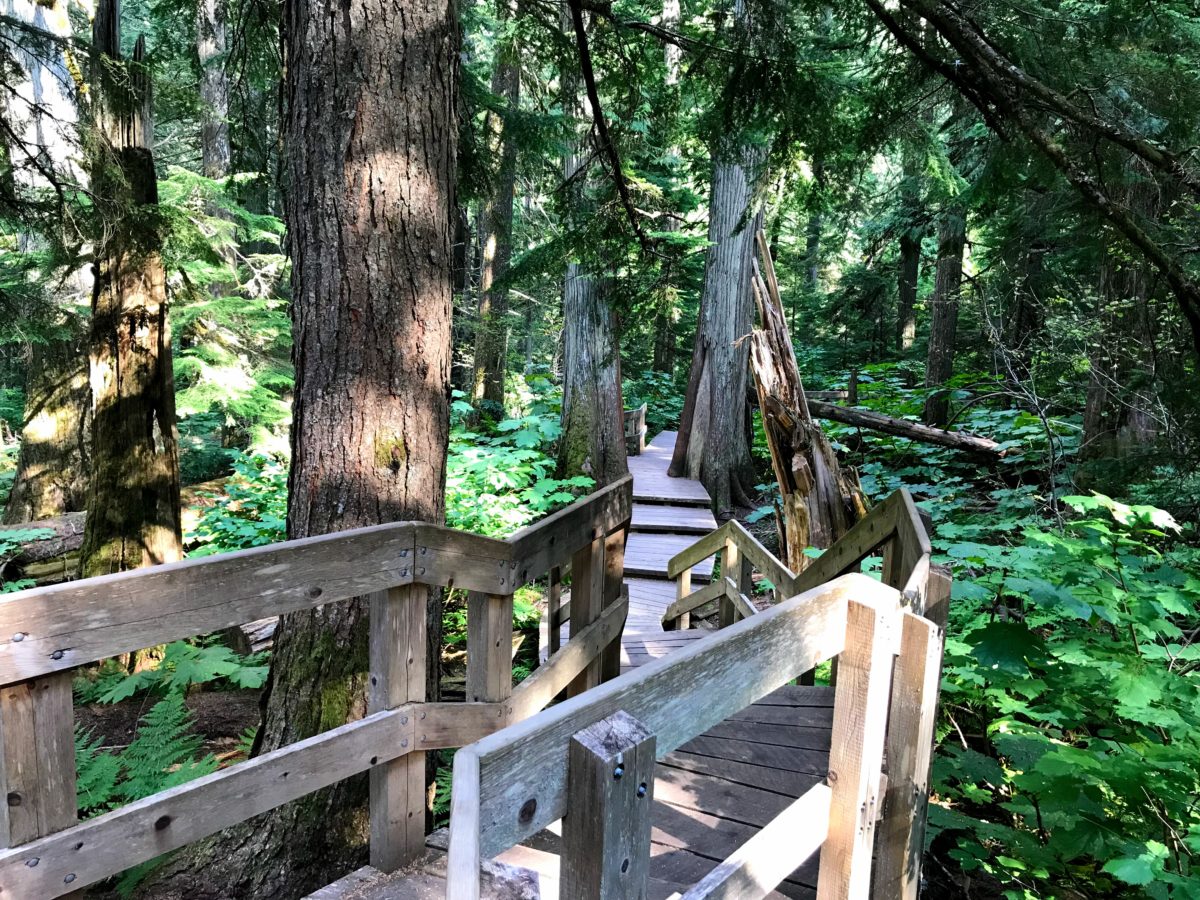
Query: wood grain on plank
point(110, 843)
point(523, 767)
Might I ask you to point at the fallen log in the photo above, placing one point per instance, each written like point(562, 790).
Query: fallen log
point(873, 421)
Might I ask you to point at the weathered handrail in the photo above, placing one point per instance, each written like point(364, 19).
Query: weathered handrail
point(895, 526)
point(511, 784)
point(46, 632)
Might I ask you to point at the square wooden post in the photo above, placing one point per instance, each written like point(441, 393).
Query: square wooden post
point(683, 587)
point(860, 713)
point(587, 598)
point(614, 582)
point(397, 676)
point(610, 795)
point(489, 646)
point(37, 758)
point(554, 611)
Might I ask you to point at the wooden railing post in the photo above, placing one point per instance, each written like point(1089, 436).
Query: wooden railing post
point(37, 758)
point(860, 714)
point(683, 587)
point(610, 794)
point(614, 581)
point(588, 577)
point(554, 610)
point(911, 721)
point(489, 647)
point(397, 676)
point(736, 567)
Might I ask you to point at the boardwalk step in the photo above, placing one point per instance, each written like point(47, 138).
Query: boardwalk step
point(656, 517)
point(647, 555)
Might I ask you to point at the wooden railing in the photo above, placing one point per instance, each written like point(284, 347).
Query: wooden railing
point(47, 632)
point(590, 760)
point(635, 430)
point(896, 529)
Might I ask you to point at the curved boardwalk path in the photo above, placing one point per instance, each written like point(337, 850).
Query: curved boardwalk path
point(714, 792)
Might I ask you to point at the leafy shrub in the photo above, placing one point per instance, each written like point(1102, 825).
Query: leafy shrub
point(254, 513)
point(500, 478)
point(183, 664)
point(1072, 692)
point(662, 395)
point(163, 754)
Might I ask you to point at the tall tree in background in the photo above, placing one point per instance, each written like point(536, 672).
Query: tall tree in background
point(943, 311)
point(40, 132)
point(369, 217)
point(664, 320)
point(593, 433)
point(496, 219)
point(133, 500)
point(212, 49)
point(712, 444)
point(911, 233)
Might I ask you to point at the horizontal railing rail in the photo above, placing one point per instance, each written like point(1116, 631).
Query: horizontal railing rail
point(46, 632)
point(511, 784)
point(894, 527)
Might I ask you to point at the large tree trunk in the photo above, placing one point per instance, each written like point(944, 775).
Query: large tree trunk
point(819, 499)
point(495, 227)
point(943, 314)
point(51, 474)
point(593, 428)
point(214, 88)
point(593, 438)
point(133, 499)
point(712, 444)
point(372, 133)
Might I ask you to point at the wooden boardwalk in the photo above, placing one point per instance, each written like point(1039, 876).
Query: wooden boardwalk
point(714, 792)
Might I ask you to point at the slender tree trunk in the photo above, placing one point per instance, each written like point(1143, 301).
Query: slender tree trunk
point(495, 226)
point(910, 259)
point(664, 320)
point(812, 240)
point(943, 315)
point(712, 443)
point(462, 365)
point(214, 88)
point(372, 129)
point(133, 500)
point(1119, 413)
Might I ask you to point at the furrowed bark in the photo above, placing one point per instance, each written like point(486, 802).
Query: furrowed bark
point(371, 126)
point(943, 313)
